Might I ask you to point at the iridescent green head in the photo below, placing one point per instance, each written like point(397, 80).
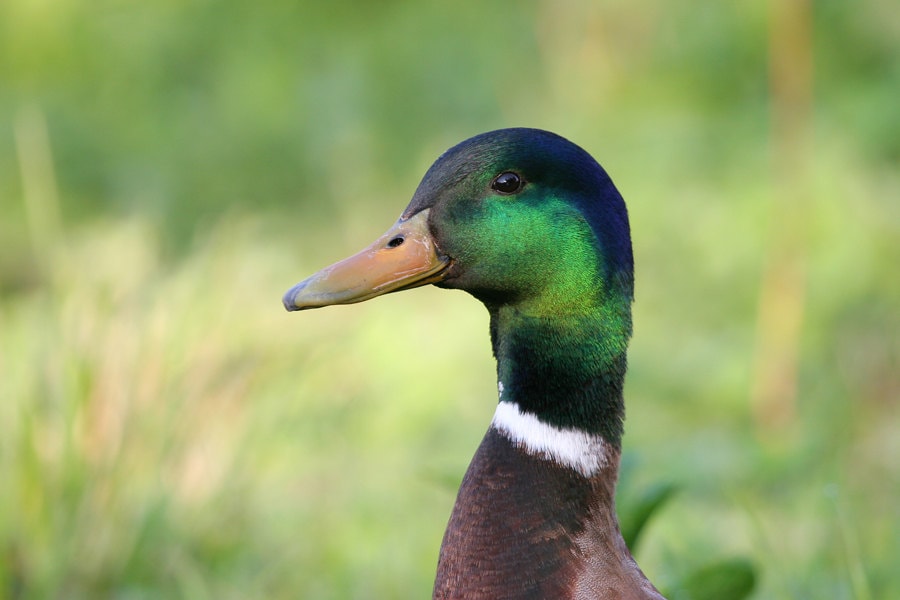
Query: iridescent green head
point(528, 219)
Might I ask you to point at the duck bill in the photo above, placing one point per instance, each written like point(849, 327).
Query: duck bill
point(404, 257)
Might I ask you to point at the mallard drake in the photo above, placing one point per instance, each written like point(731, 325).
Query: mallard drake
point(529, 224)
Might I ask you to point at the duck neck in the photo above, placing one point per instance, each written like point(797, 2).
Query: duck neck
point(568, 371)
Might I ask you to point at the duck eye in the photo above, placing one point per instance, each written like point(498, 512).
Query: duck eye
point(507, 183)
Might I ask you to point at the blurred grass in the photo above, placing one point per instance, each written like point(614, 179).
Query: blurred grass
point(167, 170)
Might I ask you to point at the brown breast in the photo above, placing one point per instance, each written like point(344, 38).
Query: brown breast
point(524, 527)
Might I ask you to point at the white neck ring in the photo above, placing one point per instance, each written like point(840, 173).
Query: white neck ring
point(586, 453)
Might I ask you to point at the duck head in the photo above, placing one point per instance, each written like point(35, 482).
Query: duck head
point(519, 218)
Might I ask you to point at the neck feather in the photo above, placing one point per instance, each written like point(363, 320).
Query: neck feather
point(567, 371)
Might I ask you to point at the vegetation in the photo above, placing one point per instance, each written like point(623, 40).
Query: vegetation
point(168, 169)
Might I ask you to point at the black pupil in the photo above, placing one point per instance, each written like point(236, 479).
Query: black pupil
point(506, 183)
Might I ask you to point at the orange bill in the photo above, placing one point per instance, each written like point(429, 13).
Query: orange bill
point(404, 257)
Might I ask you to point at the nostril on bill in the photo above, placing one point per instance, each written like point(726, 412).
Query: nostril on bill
point(397, 241)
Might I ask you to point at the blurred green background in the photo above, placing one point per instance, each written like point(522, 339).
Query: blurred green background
point(168, 169)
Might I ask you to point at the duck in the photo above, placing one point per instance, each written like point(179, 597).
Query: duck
point(532, 226)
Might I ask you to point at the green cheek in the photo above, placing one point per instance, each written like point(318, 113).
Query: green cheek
point(546, 255)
